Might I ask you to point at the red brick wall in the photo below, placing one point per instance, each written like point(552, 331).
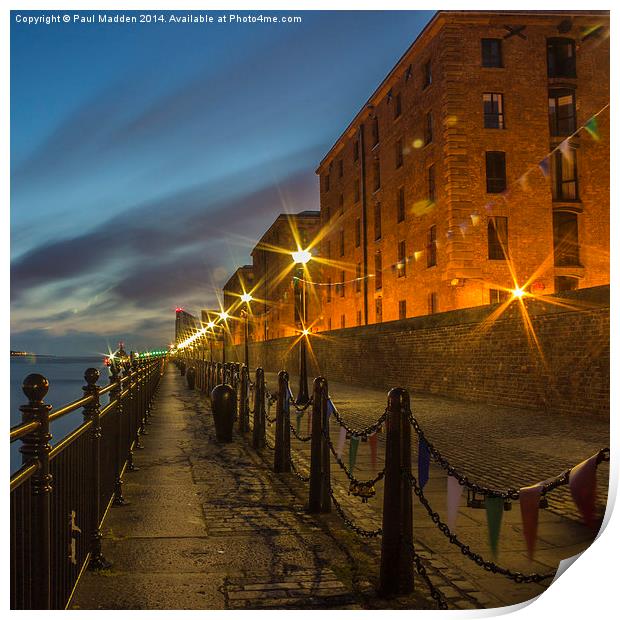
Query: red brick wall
point(452, 354)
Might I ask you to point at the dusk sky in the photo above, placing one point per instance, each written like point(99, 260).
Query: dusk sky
point(147, 159)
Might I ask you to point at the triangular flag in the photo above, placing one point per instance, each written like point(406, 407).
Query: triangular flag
point(353, 445)
point(524, 183)
point(424, 460)
point(565, 148)
point(455, 490)
point(495, 509)
point(544, 165)
point(582, 483)
point(592, 128)
point(330, 407)
point(529, 500)
point(372, 441)
point(341, 439)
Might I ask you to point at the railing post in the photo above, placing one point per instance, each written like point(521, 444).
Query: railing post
point(319, 498)
point(129, 412)
point(137, 403)
point(115, 394)
point(36, 445)
point(258, 433)
point(91, 412)
point(397, 540)
point(282, 457)
point(244, 401)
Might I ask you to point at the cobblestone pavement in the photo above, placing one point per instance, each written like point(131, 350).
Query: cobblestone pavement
point(209, 526)
point(495, 446)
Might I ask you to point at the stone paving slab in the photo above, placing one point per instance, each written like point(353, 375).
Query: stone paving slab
point(209, 526)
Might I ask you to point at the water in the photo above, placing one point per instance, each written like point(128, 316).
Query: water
point(66, 377)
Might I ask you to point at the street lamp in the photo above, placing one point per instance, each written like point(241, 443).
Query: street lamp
point(223, 316)
point(301, 258)
point(246, 298)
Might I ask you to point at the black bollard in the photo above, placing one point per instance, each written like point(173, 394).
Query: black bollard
point(182, 367)
point(190, 375)
point(224, 407)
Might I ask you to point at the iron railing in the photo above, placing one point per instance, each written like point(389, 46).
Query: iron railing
point(60, 495)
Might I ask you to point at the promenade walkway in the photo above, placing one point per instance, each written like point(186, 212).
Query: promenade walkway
point(209, 526)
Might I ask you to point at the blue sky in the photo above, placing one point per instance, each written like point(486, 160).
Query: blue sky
point(147, 159)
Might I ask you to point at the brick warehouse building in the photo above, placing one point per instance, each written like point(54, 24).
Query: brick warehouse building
point(274, 306)
point(445, 172)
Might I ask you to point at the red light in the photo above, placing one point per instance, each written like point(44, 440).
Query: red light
point(179, 309)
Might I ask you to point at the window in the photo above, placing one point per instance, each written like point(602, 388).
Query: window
point(342, 321)
point(377, 221)
point(358, 278)
point(431, 183)
point(428, 128)
point(497, 296)
point(327, 213)
point(342, 276)
point(358, 232)
point(356, 150)
point(562, 115)
point(400, 205)
point(376, 175)
point(359, 317)
point(375, 131)
point(356, 191)
point(496, 171)
point(433, 306)
point(398, 106)
point(340, 169)
point(427, 75)
point(378, 271)
point(399, 153)
point(561, 58)
point(564, 175)
point(493, 104)
point(431, 247)
point(402, 309)
point(341, 203)
point(492, 53)
point(329, 290)
point(378, 310)
point(342, 242)
point(497, 232)
point(566, 283)
point(402, 259)
point(326, 182)
point(565, 239)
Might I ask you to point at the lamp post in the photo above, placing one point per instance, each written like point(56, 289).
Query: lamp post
point(211, 327)
point(246, 298)
point(301, 258)
point(224, 317)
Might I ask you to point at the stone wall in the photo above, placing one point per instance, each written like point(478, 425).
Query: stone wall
point(471, 354)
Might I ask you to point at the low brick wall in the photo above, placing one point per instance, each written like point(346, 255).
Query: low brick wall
point(471, 354)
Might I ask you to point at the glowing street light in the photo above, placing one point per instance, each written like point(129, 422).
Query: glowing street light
point(224, 315)
point(246, 298)
point(301, 257)
point(518, 292)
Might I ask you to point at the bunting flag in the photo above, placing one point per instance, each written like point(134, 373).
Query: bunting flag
point(529, 500)
point(565, 148)
point(353, 445)
point(592, 128)
point(544, 166)
point(582, 483)
point(524, 183)
point(372, 441)
point(495, 509)
point(330, 407)
point(424, 461)
point(341, 439)
point(455, 490)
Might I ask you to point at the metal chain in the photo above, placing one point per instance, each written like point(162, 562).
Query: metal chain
point(297, 436)
point(463, 480)
point(344, 468)
point(365, 432)
point(437, 596)
point(467, 552)
point(296, 472)
point(358, 530)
